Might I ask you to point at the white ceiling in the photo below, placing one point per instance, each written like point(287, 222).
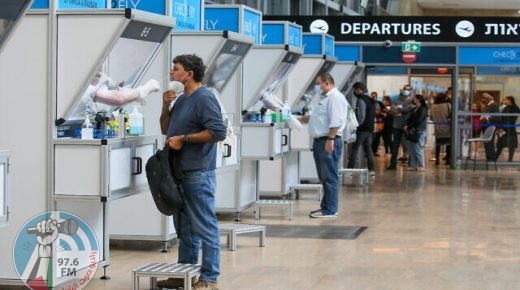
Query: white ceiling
point(470, 4)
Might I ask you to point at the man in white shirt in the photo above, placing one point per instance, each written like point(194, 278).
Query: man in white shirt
point(326, 126)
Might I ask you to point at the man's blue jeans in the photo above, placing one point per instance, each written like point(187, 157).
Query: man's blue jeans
point(198, 222)
point(416, 151)
point(327, 167)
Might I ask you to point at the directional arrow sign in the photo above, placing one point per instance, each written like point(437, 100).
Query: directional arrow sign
point(411, 47)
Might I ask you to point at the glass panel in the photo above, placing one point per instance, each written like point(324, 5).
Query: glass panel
point(276, 80)
point(113, 84)
point(225, 64)
point(10, 11)
point(302, 105)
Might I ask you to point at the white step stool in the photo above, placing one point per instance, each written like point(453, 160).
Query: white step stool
point(232, 230)
point(318, 188)
point(361, 173)
point(165, 270)
point(272, 202)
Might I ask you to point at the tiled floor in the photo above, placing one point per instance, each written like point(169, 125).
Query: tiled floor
point(439, 229)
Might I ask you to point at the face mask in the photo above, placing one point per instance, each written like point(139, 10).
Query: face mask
point(177, 87)
point(406, 93)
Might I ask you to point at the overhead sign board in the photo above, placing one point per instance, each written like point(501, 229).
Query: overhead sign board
point(404, 28)
point(158, 7)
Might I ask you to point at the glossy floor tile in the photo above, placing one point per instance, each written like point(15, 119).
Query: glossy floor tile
point(439, 229)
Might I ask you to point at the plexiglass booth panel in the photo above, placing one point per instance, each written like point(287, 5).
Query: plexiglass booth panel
point(11, 11)
point(225, 63)
point(110, 69)
point(311, 93)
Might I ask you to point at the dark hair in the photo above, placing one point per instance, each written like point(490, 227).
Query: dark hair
point(325, 77)
point(421, 100)
point(360, 85)
point(511, 99)
point(441, 98)
point(387, 98)
point(191, 62)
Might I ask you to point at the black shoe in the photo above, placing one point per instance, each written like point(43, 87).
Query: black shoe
point(391, 168)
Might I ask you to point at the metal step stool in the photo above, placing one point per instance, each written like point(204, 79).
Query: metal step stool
point(295, 189)
point(272, 202)
point(165, 270)
point(361, 173)
point(232, 230)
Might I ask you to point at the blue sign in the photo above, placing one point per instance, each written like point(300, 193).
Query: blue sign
point(187, 14)
point(489, 55)
point(329, 45)
point(273, 33)
point(294, 35)
point(501, 70)
point(347, 52)
point(155, 6)
point(75, 4)
point(40, 4)
point(312, 44)
point(227, 18)
point(281, 33)
point(221, 19)
point(381, 70)
point(251, 25)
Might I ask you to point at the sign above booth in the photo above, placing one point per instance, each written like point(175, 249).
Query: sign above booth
point(81, 4)
point(158, 7)
point(236, 18)
point(404, 28)
point(188, 14)
point(489, 55)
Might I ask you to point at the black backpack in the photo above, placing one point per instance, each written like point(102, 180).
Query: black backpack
point(166, 190)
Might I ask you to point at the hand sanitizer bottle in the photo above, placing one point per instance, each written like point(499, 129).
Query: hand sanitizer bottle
point(87, 132)
point(136, 122)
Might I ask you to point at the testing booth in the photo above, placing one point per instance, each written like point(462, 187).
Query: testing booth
point(90, 174)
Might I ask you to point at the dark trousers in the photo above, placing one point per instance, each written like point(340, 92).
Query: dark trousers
point(397, 134)
point(376, 141)
point(363, 139)
point(490, 149)
point(387, 139)
point(506, 141)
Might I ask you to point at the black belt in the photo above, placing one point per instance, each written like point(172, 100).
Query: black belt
point(325, 138)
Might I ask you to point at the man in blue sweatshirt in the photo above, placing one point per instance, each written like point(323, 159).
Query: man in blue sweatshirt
point(193, 127)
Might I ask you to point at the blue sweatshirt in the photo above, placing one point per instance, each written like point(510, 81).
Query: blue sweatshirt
point(192, 114)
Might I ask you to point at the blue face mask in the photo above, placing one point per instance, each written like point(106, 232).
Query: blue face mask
point(406, 93)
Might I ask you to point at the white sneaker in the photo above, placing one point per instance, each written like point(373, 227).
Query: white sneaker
point(151, 86)
point(320, 214)
point(372, 173)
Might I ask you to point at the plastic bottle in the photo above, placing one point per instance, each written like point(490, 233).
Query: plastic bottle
point(136, 122)
point(287, 114)
point(87, 131)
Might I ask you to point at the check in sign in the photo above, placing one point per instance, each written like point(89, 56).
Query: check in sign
point(411, 47)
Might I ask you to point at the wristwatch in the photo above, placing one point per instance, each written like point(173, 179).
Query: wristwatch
point(330, 138)
point(185, 138)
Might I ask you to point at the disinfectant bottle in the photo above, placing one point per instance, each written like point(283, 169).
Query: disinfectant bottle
point(87, 131)
point(136, 122)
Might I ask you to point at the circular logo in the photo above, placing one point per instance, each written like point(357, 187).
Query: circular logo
point(56, 250)
point(409, 57)
point(319, 26)
point(464, 28)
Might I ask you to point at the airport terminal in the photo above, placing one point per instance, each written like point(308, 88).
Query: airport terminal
point(248, 144)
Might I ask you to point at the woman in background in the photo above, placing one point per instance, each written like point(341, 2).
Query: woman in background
point(508, 136)
point(417, 121)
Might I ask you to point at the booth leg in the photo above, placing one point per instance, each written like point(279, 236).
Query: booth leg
point(105, 276)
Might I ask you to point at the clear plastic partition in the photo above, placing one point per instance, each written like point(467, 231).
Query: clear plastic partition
point(225, 64)
point(274, 82)
point(10, 12)
point(301, 107)
point(113, 84)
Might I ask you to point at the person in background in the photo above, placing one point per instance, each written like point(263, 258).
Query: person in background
point(326, 125)
point(365, 116)
point(193, 127)
point(441, 117)
point(449, 94)
point(475, 126)
point(378, 127)
point(387, 124)
point(417, 121)
point(488, 99)
point(508, 136)
point(399, 112)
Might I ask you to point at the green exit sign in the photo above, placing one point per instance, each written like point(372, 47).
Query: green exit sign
point(411, 47)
